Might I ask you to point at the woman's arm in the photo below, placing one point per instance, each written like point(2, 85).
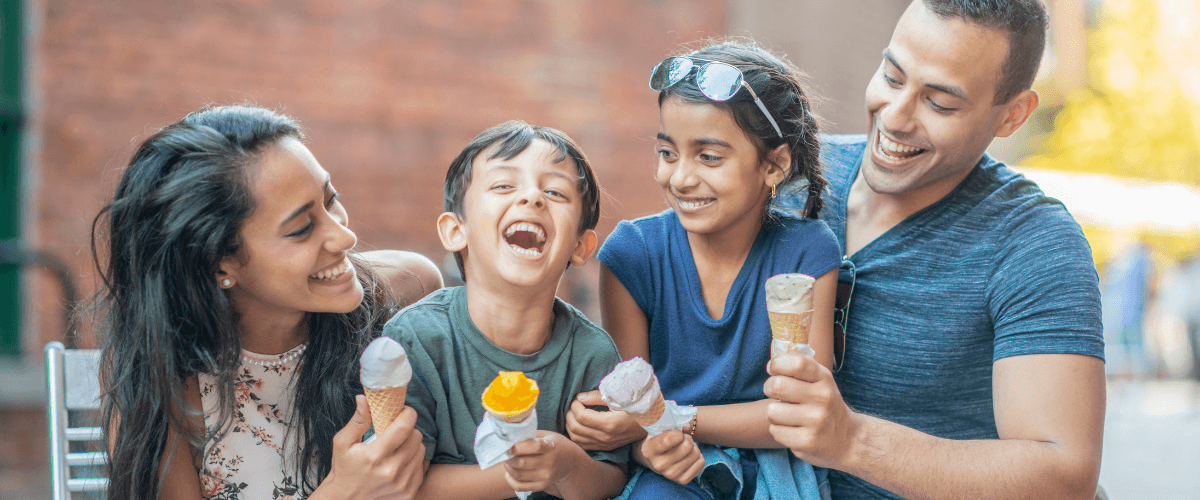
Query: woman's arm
point(180, 470)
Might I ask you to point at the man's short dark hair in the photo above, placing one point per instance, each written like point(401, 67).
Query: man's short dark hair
point(511, 139)
point(1024, 21)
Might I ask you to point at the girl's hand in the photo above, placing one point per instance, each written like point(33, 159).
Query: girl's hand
point(600, 430)
point(672, 454)
point(390, 466)
point(538, 464)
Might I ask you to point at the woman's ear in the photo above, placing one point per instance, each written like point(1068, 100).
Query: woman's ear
point(779, 165)
point(451, 232)
point(585, 247)
point(227, 272)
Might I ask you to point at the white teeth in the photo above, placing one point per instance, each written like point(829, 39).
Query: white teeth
point(694, 205)
point(531, 252)
point(329, 274)
point(525, 226)
point(888, 146)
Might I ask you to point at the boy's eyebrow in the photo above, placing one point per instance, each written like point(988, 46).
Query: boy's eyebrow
point(953, 90)
point(306, 206)
point(664, 137)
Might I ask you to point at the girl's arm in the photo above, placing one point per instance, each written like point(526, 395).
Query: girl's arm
point(744, 425)
point(741, 425)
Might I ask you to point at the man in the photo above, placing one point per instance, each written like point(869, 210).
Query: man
point(973, 358)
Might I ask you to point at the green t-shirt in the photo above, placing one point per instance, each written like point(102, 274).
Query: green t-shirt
point(453, 363)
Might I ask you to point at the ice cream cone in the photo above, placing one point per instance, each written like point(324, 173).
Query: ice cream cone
point(791, 327)
point(385, 405)
point(653, 414)
point(511, 397)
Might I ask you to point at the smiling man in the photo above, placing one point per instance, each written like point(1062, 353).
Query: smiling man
point(973, 358)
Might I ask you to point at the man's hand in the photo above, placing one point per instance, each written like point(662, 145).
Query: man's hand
point(672, 454)
point(538, 464)
point(600, 430)
point(810, 416)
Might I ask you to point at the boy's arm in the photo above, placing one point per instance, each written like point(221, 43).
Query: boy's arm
point(555, 464)
point(466, 481)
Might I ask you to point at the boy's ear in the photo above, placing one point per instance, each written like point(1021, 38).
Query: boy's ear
point(585, 248)
point(779, 163)
point(450, 231)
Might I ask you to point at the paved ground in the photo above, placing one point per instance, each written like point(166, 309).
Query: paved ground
point(1152, 441)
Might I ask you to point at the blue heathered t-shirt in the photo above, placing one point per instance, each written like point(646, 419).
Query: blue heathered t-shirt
point(699, 360)
point(994, 269)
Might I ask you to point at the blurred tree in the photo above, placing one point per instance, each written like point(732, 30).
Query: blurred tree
point(1139, 115)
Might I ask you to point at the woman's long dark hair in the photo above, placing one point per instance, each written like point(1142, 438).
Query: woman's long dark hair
point(176, 213)
point(780, 87)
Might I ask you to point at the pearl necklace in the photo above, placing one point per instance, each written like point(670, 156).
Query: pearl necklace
point(284, 359)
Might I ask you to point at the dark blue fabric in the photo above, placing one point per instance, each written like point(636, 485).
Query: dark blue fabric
point(699, 360)
point(994, 269)
point(702, 361)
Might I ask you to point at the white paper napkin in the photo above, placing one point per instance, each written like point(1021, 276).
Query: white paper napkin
point(674, 418)
point(494, 437)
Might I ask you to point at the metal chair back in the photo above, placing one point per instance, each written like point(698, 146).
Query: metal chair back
point(73, 384)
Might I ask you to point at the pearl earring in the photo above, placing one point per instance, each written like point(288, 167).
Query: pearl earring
point(225, 282)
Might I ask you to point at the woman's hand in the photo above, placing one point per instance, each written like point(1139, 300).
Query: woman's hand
point(672, 454)
point(390, 466)
point(600, 430)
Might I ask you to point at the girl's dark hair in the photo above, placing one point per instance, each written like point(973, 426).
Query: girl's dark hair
point(779, 85)
point(176, 213)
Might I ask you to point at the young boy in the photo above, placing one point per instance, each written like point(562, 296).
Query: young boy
point(521, 204)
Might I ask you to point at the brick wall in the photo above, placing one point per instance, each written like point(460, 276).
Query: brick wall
point(389, 91)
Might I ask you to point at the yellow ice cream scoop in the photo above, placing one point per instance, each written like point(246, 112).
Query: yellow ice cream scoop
point(511, 396)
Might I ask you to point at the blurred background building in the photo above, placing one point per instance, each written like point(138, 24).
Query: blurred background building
point(390, 90)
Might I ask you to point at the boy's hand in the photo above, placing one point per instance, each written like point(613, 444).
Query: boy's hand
point(672, 454)
point(538, 464)
point(600, 430)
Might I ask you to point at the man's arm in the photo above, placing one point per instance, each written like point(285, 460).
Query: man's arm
point(1049, 411)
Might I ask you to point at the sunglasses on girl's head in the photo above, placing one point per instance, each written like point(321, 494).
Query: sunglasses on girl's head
point(716, 80)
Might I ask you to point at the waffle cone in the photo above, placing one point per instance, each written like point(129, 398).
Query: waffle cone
point(791, 327)
point(652, 415)
point(513, 417)
point(385, 405)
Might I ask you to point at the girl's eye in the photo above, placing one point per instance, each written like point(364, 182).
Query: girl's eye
point(555, 193)
point(707, 158)
point(666, 153)
point(333, 199)
point(890, 81)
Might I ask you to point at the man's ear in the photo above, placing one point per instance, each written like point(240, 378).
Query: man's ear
point(585, 247)
point(1016, 112)
point(779, 164)
point(450, 231)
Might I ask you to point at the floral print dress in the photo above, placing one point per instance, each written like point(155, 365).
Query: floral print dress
point(250, 463)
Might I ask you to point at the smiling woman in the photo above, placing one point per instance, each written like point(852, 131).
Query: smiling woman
point(232, 315)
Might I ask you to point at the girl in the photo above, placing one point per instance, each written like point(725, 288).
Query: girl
point(232, 314)
point(684, 288)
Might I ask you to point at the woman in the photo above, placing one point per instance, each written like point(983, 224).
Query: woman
point(232, 315)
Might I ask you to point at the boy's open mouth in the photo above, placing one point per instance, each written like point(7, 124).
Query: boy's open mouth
point(525, 238)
